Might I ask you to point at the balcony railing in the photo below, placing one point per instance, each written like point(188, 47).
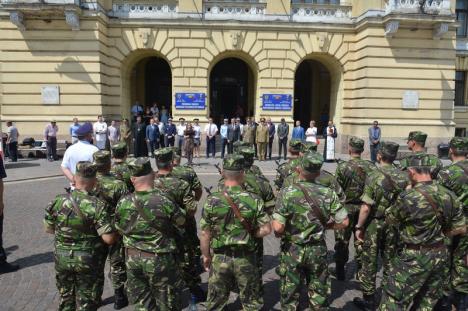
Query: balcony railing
point(237, 10)
point(308, 12)
point(435, 7)
point(144, 10)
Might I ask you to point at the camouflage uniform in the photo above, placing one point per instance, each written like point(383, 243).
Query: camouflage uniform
point(120, 168)
point(239, 144)
point(188, 174)
point(233, 246)
point(286, 169)
point(78, 245)
point(455, 178)
point(148, 222)
point(432, 160)
point(351, 176)
point(382, 187)
point(417, 273)
point(303, 249)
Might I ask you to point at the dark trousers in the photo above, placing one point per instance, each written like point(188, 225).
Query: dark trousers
point(161, 141)
point(224, 143)
point(282, 146)
point(211, 146)
point(153, 145)
point(170, 141)
point(270, 147)
point(2, 251)
point(256, 150)
point(373, 152)
point(13, 151)
point(52, 148)
point(140, 149)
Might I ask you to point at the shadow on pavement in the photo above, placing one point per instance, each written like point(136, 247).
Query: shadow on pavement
point(35, 260)
point(20, 165)
point(11, 249)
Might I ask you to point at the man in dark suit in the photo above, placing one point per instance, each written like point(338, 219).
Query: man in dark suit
point(233, 135)
point(170, 133)
point(271, 136)
point(139, 138)
point(152, 136)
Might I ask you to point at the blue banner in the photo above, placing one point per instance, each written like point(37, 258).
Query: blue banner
point(277, 102)
point(196, 101)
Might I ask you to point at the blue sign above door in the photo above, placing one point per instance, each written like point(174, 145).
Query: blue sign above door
point(277, 102)
point(195, 101)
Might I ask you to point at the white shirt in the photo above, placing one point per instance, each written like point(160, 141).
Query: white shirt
point(114, 133)
point(180, 129)
point(161, 128)
point(197, 130)
point(311, 134)
point(100, 131)
point(81, 151)
point(211, 129)
point(13, 133)
point(241, 126)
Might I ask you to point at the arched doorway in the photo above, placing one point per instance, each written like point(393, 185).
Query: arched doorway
point(232, 90)
point(312, 94)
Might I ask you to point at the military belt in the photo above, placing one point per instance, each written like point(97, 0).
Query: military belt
point(140, 253)
point(418, 247)
point(233, 251)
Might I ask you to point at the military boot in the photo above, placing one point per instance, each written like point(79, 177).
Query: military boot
point(198, 293)
point(120, 298)
point(444, 304)
point(340, 272)
point(366, 303)
point(460, 301)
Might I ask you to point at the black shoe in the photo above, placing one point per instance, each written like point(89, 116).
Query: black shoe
point(198, 293)
point(444, 304)
point(120, 298)
point(366, 303)
point(340, 273)
point(460, 300)
point(8, 267)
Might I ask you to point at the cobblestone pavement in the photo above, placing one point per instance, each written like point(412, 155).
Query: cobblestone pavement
point(33, 286)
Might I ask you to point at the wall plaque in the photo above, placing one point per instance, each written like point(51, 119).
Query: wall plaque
point(196, 101)
point(410, 100)
point(50, 94)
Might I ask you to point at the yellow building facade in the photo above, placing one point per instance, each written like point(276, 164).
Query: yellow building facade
point(351, 61)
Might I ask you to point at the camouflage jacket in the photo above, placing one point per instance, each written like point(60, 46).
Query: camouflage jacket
point(110, 190)
point(284, 170)
point(258, 186)
point(257, 171)
point(72, 230)
point(189, 175)
point(351, 176)
point(455, 178)
point(178, 190)
point(382, 187)
point(416, 220)
point(153, 228)
point(226, 230)
point(436, 164)
point(121, 171)
point(325, 179)
point(302, 226)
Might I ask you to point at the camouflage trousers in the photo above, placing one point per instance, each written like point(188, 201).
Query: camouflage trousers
point(259, 255)
point(342, 238)
point(116, 257)
point(378, 240)
point(415, 279)
point(304, 264)
point(151, 281)
point(459, 266)
point(229, 269)
point(75, 275)
point(189, 258)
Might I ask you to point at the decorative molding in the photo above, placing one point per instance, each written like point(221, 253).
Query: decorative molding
point(236, 39)
point(219, 10)
point(391, 28)
point(136, 10)
point(439, 30)
point(322, 40)
point(72, 19)
point(435, 7)
point(307, 12)
point(17, 18)
point(145, 35)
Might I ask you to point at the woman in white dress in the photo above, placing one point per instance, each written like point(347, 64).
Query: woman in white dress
point(311, 133)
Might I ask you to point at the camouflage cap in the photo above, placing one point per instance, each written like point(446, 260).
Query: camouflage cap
point(417, 136)
point(176, 150)
point(311, 162)
point(295, 145)
point(86, 169)
point(140, 166)
point(238, 144)
point(233, 162)
point(249, 154)
point(356, 143)
point(102, 157)
point(389, 148)
point(119, 150)
point(308, 146)
point(164, 156)
point(459, 144)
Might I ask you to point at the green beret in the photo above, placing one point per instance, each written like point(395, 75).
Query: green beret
point(308, 146)
point(102, 158)
point(417, 136)
point(459, 144)
point(356, 143)
point(238, 144)
point(119, 150)
point(295, 145)
point(311, 162)
point(389, 148)
point(86, 169)
point(249, 154)
point(164, 156)
point(140, 166)
point(233, 162)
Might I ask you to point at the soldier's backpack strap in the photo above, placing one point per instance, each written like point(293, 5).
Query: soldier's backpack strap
point(235, 209)
point(88, 225)
point(314, 204)
point(434, 207)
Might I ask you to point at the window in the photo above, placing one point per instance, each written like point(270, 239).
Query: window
point(462, 17)
point(460, 83)
point(460, 132)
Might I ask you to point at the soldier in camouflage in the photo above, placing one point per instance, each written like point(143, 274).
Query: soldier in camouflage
point(286, 169)
point(426, 216)
point(110, 190)
point(148, 221)
point(250, 167)
point(302, 214)
point(382, 187)
point(81, 224)
point(120, 168)
point(307, 146)
point(455, 178)
point(231, 221)
point(237, 145)
point(416, 142)
point(188, 174)
point(351, 176)
point(180, 192)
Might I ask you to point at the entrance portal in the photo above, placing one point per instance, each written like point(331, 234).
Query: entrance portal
point(231, 90)
point(312, 88)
